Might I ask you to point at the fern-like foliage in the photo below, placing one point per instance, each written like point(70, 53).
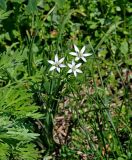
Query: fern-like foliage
point(16, 130)
point(4, 14)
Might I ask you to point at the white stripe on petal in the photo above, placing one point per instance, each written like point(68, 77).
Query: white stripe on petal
point(78, 65)
point(76, 48)
point(82, 50)
point(61, 60)
point(56, 58)
point(58, 69)
point(77, 58)
point(52, 68)
point(62, 65)
point(51, 62)
point(75, 73)
point(73, 63)
point(84, 59)
point(70, 65)
point(73, 53)
point(79, 71)
point(87, 54)
point(70, 71)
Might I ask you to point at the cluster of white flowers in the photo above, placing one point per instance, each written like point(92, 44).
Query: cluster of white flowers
point(79, 54)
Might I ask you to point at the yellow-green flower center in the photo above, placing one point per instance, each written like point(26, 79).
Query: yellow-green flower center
point(80, 54)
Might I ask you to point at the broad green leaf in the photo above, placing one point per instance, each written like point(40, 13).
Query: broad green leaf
point(128, 61)
point(60, 3)
point(120, 158)
point(40, 3)
point(32, 6)
point(124, 47)
point(3, 4)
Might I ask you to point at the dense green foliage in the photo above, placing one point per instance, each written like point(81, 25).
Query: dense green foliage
point(49, 115)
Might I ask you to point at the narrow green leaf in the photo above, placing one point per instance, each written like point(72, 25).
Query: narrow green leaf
point(111, 29)
point(18, 1)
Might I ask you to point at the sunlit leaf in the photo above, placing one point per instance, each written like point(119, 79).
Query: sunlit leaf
point(124, 47)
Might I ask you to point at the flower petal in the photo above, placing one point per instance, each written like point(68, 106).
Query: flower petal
point(58, 69)
point(73, 53)
point(82, 50)
point(70, 71)
point(84, 59)
point(75, 73)
point(79, 71)
point(61, 60)
point(52, 68)
point(73, 63)
point(87, 54)
point(69, 65)
point(62, 65)
point(78, 65)
point(77, 58)
point(51, 62)
point(56, 58)
point(76, 48)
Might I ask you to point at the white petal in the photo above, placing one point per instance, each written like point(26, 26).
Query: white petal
point(73, 53)
point(62, 65)
point(82, 50)
point(79, 71)
point(73, 63)
point(58, 69)
point(77, 58)
point(84, 59)
point(69, 65)
point(56, 58)
point(52, 68)
point(87, 54)
point(75, 73)
point(78, 65)
point(76, 48)
point(51, 62)
point(61, 60)
point(70, 71)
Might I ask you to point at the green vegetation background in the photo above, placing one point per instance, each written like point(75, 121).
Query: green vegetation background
point(95, 107)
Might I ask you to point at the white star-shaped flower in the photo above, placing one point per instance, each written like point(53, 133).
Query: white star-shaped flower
point(80, 54)
point(57, 64)
point(74, 68)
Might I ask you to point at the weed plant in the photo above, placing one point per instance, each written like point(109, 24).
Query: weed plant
point(65, 79)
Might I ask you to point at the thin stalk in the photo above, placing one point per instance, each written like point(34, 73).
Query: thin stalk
point(97, 64)
point(101, 133)
point(89, 139)
point(107, 113)
point(31, 39)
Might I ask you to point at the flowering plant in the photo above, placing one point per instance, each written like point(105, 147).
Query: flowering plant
point(80, 54)
point(74, 68)
point(57, 64)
